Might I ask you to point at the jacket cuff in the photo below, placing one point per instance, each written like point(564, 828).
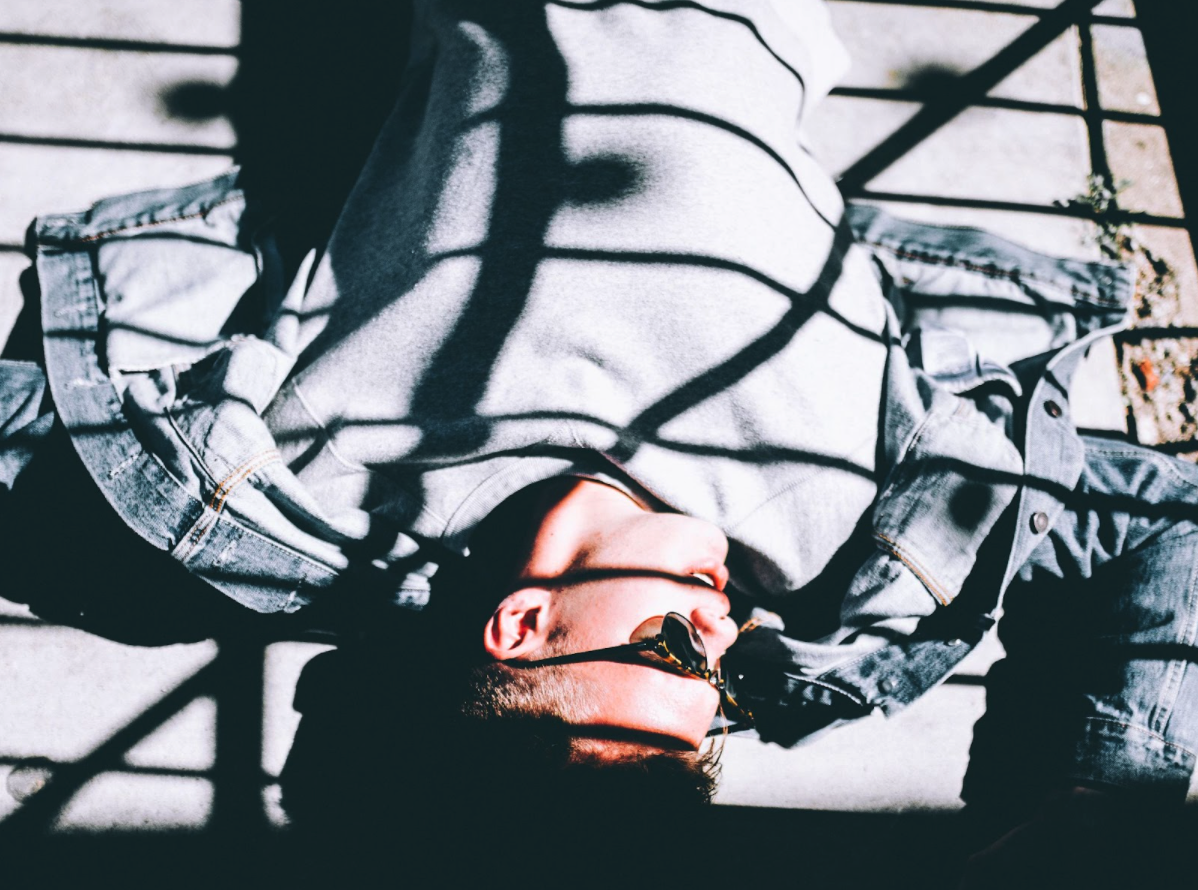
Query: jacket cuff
point(1119, 755)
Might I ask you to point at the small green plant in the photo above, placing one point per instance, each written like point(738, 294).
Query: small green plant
point(1156, 283)
point(1100, 201)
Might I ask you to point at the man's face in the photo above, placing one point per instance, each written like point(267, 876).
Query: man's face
point(656, 560)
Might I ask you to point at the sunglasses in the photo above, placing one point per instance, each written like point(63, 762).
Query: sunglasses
point(676, 646)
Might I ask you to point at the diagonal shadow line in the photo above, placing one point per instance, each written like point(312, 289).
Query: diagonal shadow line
point(841, 241)
point(39, 811)
point(159, 147)
point(90, 336)
point(1041, 307)
point(1135, 335)
point(1075, 210)
point(966, 91)
point(181, 772)
point(1184, 447)
point(665, 5)
point(923, 96)
point(1073, 499)
point(1004, 8)
point(667, 258)
point(116, 45)
point(969, 5)
point(964, 680)
point(750, 357)
point(23, 621)
point(657, 109)
point(758, 454)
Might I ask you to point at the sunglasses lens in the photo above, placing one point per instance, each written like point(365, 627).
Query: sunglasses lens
point(676, 640)
point(684, 642)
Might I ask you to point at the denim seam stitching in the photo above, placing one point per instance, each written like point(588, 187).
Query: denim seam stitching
point(905, 559)
point(1162, 461)
point(789, 488)
point(159, 222)
point(1143, 729)
point(330, 443)
point(221, 494)
point(993, 271)
point(1175, 672)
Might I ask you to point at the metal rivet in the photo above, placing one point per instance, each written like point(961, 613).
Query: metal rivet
point(1053, 409)
point(1039, 523)
point(888, 684)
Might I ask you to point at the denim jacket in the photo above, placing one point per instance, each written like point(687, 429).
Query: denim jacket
point(167, 334)
point(1005, 327)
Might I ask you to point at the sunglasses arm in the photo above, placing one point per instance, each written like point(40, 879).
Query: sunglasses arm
point(607, 654)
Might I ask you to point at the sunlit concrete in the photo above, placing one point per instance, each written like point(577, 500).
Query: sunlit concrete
point(284, 661)
point(63, 692)
point(130, 802)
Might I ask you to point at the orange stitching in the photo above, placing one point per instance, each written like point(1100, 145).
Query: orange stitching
point(932, 587)
point(201, 531)
point(161, 222)
point(245, 475)
point(257, 457)
point(223, 490)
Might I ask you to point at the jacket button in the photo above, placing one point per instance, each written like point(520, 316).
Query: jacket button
point(1053, 409)
point(1039, 523)
point(888, 684)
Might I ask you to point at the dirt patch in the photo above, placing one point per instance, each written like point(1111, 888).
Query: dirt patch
point(1159, 356)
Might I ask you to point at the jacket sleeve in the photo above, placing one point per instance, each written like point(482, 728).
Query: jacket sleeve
point(169, 323)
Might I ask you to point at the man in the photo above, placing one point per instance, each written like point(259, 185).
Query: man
point(593, 334)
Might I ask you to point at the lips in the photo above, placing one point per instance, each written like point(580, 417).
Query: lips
point(715, 575)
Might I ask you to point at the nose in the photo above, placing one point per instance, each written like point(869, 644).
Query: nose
point(717, 630)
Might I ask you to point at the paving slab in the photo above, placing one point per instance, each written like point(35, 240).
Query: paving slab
point(215, 23)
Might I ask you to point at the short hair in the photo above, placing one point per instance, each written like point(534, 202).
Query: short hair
point(541, 701)
point(377, 752)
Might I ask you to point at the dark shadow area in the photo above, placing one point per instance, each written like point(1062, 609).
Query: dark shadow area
point(1022, 9)
point(175, 148)
point(1075, 209)
point(1165, 27)
point(930, 79)
point(314, 84)
point(114, 44)
point(195, 101)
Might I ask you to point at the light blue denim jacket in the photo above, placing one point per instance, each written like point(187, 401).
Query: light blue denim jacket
point(167, 334)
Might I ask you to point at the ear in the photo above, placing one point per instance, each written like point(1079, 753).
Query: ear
point(519, 625)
